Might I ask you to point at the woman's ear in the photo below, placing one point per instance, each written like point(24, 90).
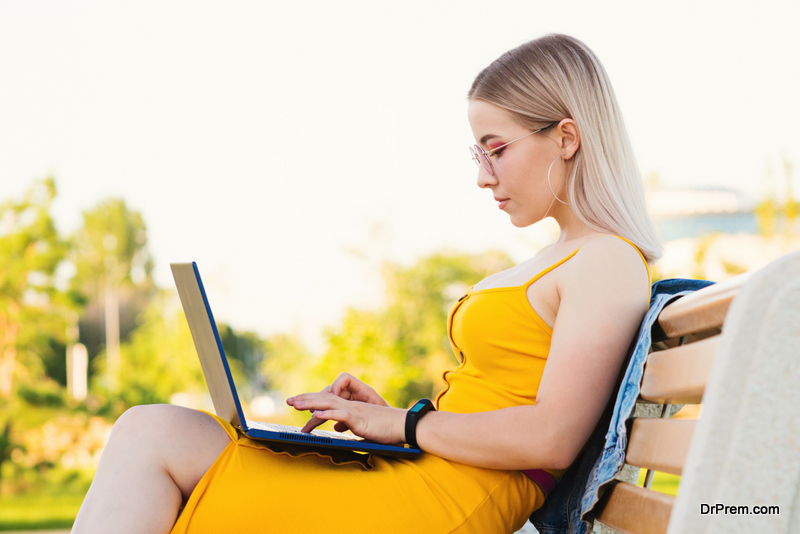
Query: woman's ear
point(569, 138)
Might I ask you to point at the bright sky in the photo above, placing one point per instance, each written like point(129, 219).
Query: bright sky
point(290, 147)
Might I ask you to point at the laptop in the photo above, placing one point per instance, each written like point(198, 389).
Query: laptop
point(223, 390)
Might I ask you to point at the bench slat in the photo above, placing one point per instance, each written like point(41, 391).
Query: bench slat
point(679, 375)
point(660, 444)
point(634, 510)
point(701, 310)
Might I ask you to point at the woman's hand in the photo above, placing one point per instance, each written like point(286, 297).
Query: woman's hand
point(349, 387)
point(375, 421)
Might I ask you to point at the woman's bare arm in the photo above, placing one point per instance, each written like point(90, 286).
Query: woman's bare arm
point(603, 300)
point(603, 297)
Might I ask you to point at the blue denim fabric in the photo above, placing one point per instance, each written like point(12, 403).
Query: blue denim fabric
point(568, 510)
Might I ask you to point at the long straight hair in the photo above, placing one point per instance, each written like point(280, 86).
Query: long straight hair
point(556, 77)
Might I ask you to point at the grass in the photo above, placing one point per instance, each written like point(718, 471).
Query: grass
point(663, 482)
point(38, 511)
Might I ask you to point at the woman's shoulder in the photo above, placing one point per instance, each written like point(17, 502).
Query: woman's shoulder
point(612, 248)
point(612, 261)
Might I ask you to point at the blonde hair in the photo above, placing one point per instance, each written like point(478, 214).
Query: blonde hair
point(556, 77)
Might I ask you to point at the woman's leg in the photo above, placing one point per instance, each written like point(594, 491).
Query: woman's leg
point(154, 458)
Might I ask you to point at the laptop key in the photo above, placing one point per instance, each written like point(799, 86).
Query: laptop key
point(283, 428)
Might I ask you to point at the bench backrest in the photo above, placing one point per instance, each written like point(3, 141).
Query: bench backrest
point(744, 376)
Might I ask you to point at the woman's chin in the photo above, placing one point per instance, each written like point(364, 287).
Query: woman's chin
point(521, 222)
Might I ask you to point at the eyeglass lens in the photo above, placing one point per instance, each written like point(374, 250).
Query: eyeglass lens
point(480, 157)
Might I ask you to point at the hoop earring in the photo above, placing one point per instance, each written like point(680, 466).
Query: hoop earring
point(548, 181)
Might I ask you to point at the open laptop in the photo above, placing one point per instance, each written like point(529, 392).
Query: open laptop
point(223, 390)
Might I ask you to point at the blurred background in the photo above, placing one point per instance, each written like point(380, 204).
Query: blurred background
point(313, 161)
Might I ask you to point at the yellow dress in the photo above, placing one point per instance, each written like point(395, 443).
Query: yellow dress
point(253, 486)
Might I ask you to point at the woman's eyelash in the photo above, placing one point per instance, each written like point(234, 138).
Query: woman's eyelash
point(497, 152)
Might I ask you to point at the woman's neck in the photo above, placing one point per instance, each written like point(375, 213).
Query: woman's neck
point(571, 227)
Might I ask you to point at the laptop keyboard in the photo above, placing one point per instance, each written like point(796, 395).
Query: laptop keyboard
point(295, 429)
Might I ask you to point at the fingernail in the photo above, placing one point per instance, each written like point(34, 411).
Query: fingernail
point(290, 399)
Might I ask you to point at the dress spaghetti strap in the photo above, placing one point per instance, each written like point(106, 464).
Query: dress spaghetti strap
point(570, 255)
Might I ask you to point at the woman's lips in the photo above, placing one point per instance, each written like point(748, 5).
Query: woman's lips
point(502, 202)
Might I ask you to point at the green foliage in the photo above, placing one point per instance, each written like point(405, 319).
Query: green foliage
point(53, 445)
point(40, 511)
point(402, 349)
point(6, 445)
point(28, 236)
point(662, 482)
point(247, 348)
point(159, 359)
point(111, 243)
point(774, 216)
point(32, 308)
point(113, 270)
point(703, 245)
point(766, 216)
point(287, 365)
point(54, 360)
point(368, 345)
point(45, 392)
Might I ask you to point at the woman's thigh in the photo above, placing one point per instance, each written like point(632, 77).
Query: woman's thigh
point(251, 489)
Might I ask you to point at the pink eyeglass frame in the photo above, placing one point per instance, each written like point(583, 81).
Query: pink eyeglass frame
point(477, 151)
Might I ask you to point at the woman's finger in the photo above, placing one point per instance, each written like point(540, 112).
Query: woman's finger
point(343, 393)
point(341, 427)
point(315, 401)
point(337, 415)
point(312, 423)
point(356, 389)
point(306, 398)
point(344, 381)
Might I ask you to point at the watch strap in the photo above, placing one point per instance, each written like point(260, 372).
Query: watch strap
point(413, 415)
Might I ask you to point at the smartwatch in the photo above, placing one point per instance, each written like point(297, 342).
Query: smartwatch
point(413, 415)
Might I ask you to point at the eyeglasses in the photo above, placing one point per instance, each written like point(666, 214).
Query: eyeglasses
point(480, 155)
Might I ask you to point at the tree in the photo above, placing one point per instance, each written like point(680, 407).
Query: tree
point(402, 349)
point(286, 365)
point(247, 348)
point(31, 306)
point(111, 258)
point(159, 358)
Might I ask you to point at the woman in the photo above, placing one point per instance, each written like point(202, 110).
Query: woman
point(550, 143)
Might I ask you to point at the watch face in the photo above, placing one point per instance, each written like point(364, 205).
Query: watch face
point(417, 407)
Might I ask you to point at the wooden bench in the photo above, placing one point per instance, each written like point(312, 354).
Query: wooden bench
point(744, 450)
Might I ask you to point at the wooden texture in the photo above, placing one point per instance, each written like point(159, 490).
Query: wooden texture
point(701, 310)
point(679, 375)
point(659, 444)
point(631, 509)
point(212, 360)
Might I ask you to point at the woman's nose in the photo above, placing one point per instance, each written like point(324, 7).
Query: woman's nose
point(484, 178)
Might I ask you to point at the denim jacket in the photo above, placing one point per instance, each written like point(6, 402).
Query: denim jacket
point(568, 510)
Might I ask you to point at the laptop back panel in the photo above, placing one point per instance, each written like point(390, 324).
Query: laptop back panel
point(208, 344)
point(220, 381)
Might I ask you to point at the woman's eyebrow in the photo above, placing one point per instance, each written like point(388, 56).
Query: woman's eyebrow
point(487, 137)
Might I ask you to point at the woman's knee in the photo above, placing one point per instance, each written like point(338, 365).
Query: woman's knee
point(139, 422)
point(184, 442)
point(167, 427)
